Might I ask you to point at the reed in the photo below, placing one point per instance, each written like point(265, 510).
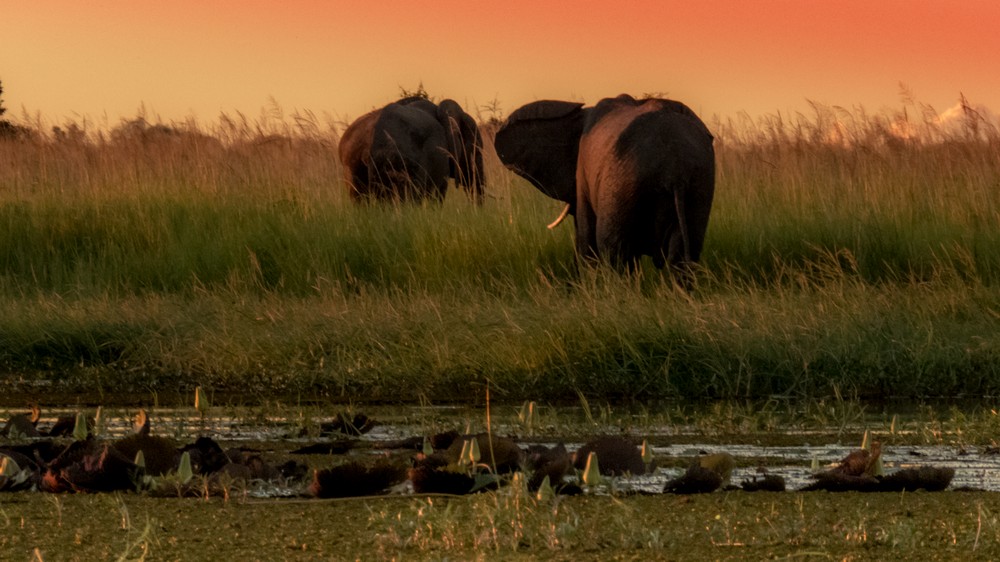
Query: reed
point(846, 250)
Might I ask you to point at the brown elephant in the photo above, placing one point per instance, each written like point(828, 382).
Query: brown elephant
point(637, 175)
point(407, 150)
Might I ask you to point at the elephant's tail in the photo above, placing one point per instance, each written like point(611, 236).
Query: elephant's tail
point(682, 224)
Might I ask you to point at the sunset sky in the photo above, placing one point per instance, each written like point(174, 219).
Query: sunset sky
point(67, 59)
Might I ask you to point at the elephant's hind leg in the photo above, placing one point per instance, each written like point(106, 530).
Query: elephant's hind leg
point(681, 269)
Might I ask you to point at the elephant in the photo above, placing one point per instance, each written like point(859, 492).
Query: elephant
point(638, 176)
point(407, 150)
point(467, 160)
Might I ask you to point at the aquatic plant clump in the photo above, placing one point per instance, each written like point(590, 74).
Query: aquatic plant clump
point(265, 466)
point(90, 460)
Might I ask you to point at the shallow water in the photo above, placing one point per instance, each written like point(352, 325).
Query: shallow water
point(975, 467)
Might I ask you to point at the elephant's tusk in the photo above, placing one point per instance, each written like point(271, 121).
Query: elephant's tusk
point(560, 218)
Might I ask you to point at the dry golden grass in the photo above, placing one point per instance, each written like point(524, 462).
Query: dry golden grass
point(845, 248)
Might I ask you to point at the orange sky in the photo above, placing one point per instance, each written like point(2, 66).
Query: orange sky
point(66, 59)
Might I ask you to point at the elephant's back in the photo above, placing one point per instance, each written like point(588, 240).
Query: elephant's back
point(406, 126)
point(679, 139)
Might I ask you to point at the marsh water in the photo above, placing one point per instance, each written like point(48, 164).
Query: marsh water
point(794, 454)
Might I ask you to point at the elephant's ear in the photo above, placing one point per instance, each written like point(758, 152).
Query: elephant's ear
point(540, 142)
point(452, 115)
point(467, 153)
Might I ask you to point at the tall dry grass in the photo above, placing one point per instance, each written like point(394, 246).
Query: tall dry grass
point(893, 196)
point(847, 250)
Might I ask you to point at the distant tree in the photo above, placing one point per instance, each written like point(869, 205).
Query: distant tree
point(420, 92)
point(9, 130)
point(73, 133)
point(491, 114)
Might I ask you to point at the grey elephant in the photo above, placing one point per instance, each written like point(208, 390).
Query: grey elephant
point(637, 175)
point(407, 150)
point(467, 151)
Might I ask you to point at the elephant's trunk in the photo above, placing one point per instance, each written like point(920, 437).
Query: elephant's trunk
point(562, 216)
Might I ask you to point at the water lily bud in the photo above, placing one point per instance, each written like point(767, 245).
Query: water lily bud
point(592, 472)
point(878, 469)
point(80, 427)
point(474, 453)
point(465, 455)
point(647, 453)
point(98, 422)
point(140, 459)
point(184, 471)
point(428, 449)
point(200, 400)
point(545, 491)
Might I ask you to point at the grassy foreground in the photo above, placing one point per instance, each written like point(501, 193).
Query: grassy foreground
point(506, 525)
point(847, 252)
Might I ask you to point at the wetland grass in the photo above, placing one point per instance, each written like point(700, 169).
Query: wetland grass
point(153, 257)
point(509, 524)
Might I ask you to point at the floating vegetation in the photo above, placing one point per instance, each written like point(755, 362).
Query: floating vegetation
point(344, 462)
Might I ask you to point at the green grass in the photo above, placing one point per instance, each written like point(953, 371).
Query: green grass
point(231, 258)
point(601, 336)
point(506, 525)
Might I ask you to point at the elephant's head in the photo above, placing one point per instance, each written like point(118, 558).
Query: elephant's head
point(540, 141)
point(464, 142)
point(467, 147)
